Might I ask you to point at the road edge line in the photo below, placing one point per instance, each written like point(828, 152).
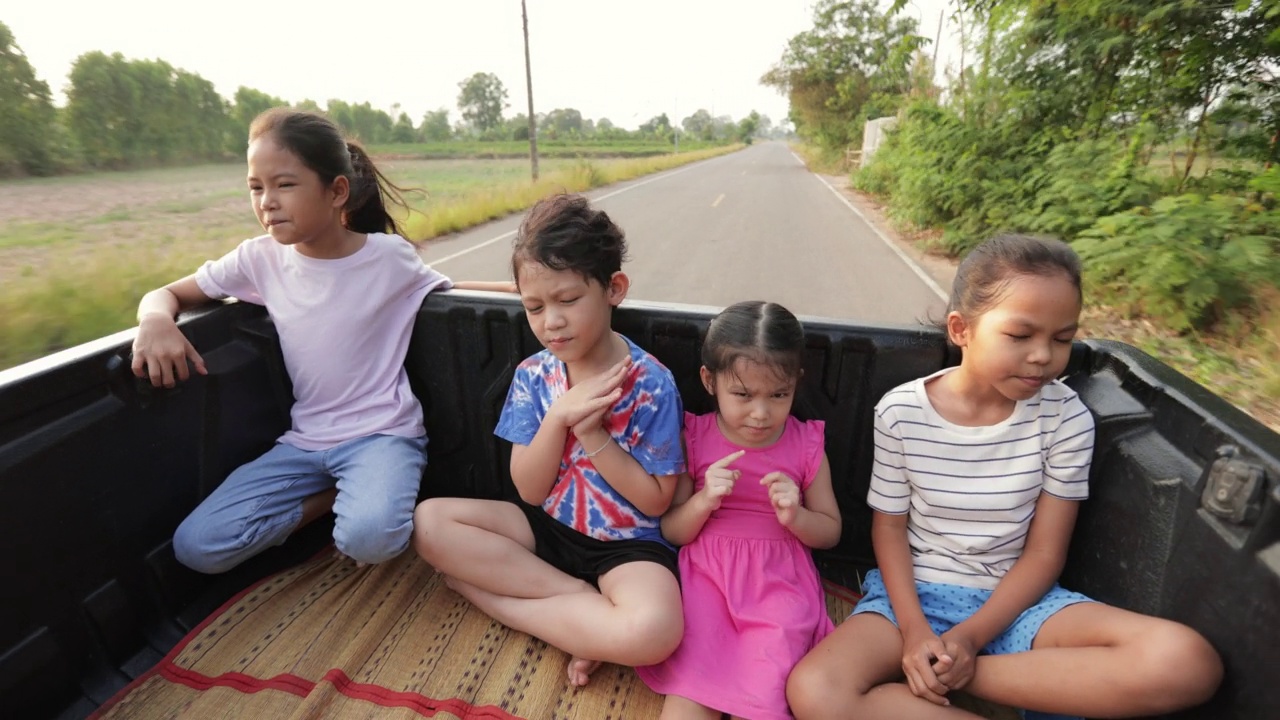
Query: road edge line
point(919, 271)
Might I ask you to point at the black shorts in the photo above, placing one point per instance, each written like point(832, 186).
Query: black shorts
point(585, 557)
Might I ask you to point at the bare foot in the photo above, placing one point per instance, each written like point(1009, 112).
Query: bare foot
point(580, 670)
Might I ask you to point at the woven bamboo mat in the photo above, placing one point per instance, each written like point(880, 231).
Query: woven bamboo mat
point(327, 640)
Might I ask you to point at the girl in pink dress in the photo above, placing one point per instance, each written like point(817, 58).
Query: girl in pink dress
point(756, 497)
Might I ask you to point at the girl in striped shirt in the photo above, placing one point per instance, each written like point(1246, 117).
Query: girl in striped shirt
point(979, 472)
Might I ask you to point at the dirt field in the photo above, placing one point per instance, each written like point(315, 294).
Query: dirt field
point(196, 212)
point(188, 210)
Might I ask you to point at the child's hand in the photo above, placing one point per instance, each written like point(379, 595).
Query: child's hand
point(962, 653)
point(719, 481)
point(924, 656)
point(784, 495)
point(586, 429)
point(591, 397)
point(161, 351)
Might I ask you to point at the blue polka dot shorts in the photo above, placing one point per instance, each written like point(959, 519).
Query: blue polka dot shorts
point(946, 605)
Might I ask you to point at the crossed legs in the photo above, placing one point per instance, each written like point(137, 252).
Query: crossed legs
point(1087, 659)
point(486, 549)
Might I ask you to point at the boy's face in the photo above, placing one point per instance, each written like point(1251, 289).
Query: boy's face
point(568, 313)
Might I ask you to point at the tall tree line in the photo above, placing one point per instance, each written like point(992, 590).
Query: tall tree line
point(124, 113)
point(127, 113)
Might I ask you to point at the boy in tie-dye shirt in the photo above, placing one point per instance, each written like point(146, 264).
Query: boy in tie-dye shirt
point(595, 427)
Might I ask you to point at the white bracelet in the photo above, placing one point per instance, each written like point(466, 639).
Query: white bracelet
point(599, 449)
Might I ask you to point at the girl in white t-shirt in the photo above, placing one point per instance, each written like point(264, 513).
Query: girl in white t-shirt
point(342, 294)
point(979, 471)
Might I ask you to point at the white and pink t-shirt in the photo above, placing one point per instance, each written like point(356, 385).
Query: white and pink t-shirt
point(344, 328)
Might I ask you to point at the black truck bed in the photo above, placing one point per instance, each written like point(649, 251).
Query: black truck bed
point(97, 469)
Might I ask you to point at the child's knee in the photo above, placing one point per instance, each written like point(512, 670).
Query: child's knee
point(370, 537)
point(194, 548)
point(429, 518)
point(816, 684)
point(1190, 670)
point(809, 690)
point(653, 634)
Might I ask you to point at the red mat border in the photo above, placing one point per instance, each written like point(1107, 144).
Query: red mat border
point(294, 684)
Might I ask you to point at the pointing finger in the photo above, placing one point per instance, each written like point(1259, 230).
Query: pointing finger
point(723, 462)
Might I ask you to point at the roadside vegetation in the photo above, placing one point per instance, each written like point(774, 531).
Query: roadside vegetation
point(115, 193)
point(1144, 133)
point(76, 273)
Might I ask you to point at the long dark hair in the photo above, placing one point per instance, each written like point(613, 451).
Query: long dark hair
point(320, 145)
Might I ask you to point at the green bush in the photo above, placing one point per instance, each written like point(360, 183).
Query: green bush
point(1079, 182)
point(938, 170)
point(1187, 259)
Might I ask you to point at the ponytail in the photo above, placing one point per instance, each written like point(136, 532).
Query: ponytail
point(371, 192)
point(319, 144)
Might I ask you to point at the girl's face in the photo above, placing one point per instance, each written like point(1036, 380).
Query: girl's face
point(291, 202)
point(1024, 340)
point(753, 401)
point(568, 313)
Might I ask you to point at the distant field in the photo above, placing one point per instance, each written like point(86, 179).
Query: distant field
point(78, 251)
point(191, 212)
point(546, 149)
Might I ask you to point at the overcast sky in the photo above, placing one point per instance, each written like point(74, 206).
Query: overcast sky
point(624, 61)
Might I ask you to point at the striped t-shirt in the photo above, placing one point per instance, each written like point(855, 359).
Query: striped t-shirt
point(971, 491)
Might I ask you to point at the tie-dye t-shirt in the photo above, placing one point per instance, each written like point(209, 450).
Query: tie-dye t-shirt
point(645, 421)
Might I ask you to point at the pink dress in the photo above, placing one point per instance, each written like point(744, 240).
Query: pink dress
point(753, 601)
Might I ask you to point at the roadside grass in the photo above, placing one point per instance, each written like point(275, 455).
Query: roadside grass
point(487, 203)
point(820, 160)
point(546, 148)
point(1239, 362)
point(120, 235)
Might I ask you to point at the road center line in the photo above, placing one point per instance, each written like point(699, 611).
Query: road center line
point(717, 200)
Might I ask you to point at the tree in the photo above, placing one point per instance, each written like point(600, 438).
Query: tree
point(403, 132)
point(698, 124)
point(656, 126)
point(247, 105)
point(127, 112)
point(481, 100)
point(563, 122)
point(435, 126)
point(748, 126)
point(853, 65)
point(27, 116)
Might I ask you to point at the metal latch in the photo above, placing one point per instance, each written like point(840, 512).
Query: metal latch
point(1234, 489)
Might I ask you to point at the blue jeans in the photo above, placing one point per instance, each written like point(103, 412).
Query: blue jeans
point(260, 503)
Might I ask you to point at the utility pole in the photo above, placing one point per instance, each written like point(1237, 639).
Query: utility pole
point(528, 79)
point(936, 43)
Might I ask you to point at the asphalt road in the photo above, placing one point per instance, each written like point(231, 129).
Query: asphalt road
point(754, 224)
